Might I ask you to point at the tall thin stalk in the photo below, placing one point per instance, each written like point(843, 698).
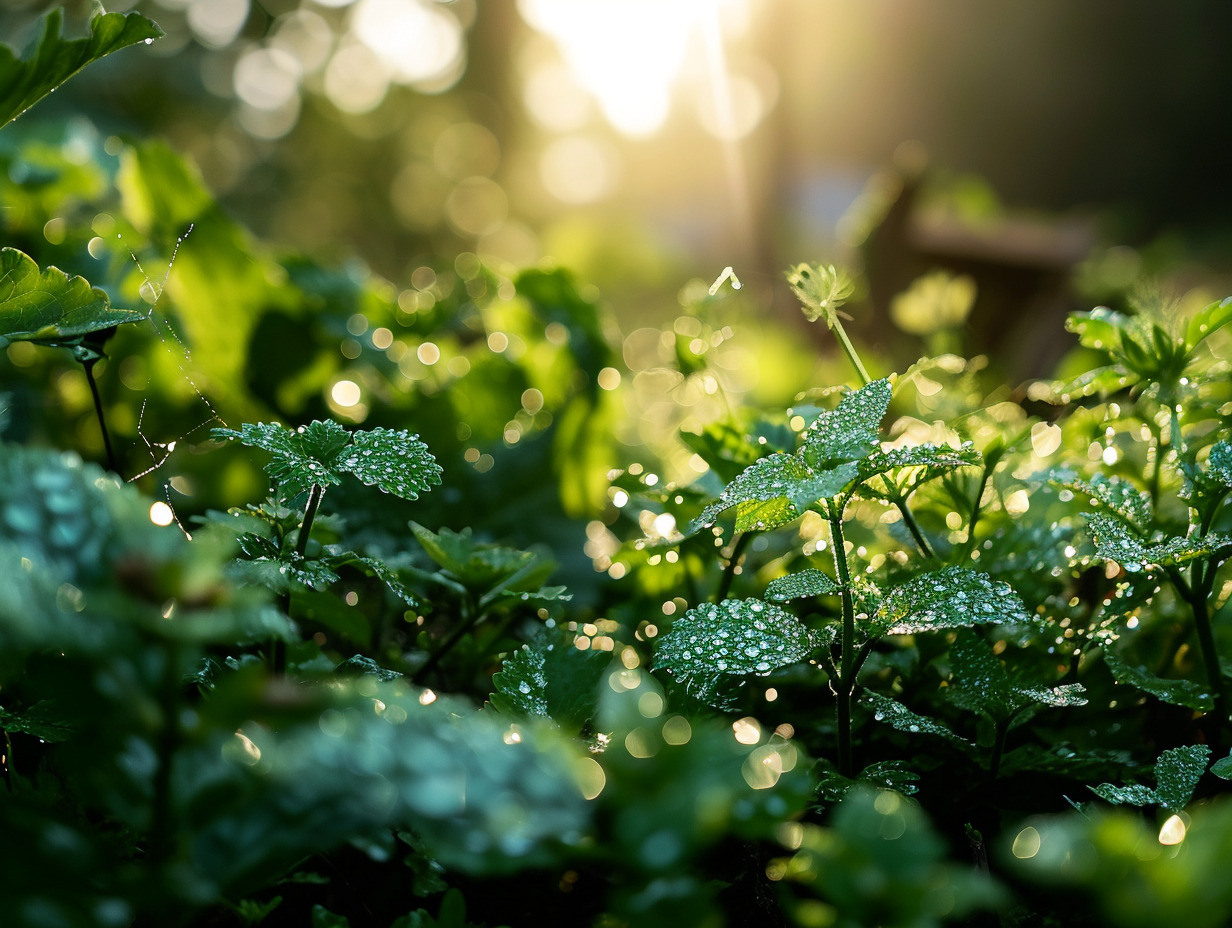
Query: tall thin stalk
point(87, 365)
point(848, 663)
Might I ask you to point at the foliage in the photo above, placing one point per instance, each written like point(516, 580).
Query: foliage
point(499, 679)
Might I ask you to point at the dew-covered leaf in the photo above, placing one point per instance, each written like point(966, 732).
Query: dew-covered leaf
point(898, 716)
point(1057, 697)
point(394, 461)
point(540, 597)
point(1120, 497)
point(850, 431)
point(1208, 320)
point(801, 585)
point(911, 466)
point(52, 60)
point(1222, 768)
point(550, 678)
point(735, 636)
point(1177, 773)
point(49, 307)
point(884, 774)
point(760, 493)
point(45, 720)
point(1100, 328)
point(954, 597)
point(372, 567)
point(983, 684)
point(1185, 693)
point(281, 571)
point(357, 665)
point(1219, 462)
point(824, 485)
point(1115, 542)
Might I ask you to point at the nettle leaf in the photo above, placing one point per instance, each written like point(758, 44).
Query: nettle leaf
point(801, 585)
point(731, 638)
point(1101, 328)
point(825, 485)
point(898, 716)
point(820, 290)
point(1120, 497)
point(1185, 693)
point(912, 466)
point(954, 597)
point(850, 431)
point(761, 494)
point(549, 678)
point(319, 453)
point(1219, 462)
point(1222, 768)
point(884, 774)
point(1115, 542)
point(52, 60)
point(49, 307)
point(45, 720)
point(480, 566)
point(1177, 773)
point(357, 665)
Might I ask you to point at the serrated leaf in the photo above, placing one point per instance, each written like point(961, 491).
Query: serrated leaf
point(954, 597)
point(981, 683)
point(761, 492)
point(49, 307)
point(45, 720)
point(394, 461)
point(821, 290)
point(281, 571)
point(735, 636)
point(1206, 321)
point(915, 465)
point(824, 485)
point(1114, 542)
point(1120, 497)
point(52, 60)
point(885, 774)
point(321, 452)
point(898, 716)
point(549, 678)
point(372, 567)
point(1101, 328)
point(1222, 768)
point(1219, 462)
point(1177, 773)
point(359, 665)
point(1185, 693)
point(850, 431)
point(480, 566)
point(801, 585)
point(1056, 697)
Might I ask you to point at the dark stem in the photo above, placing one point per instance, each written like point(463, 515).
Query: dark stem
point(912, 526)
point(470, 617)
point(969, 544)
point(1210, 655)
point(998, 748)
point(310, 513)
point(88, 367)
point(729, 572)
point(6, 760)
point(844, 684)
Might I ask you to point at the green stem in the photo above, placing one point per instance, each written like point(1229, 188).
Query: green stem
point(850, 350)
point(998, 748)
point(310, 513)
point(729, 572)
point(844, 684)
point(470, 617)
point(912, 526)
point(88, 367)
point(969, 543)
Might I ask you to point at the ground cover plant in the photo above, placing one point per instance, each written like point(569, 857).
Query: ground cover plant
point(385, 636)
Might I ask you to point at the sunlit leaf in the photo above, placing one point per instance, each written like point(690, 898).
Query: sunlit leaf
point(801, 585)
point(1119, 496)
point(550, 678)
point(1100, 328)
point(1207, 321)
point(850, 431)
point(52, 60)
point(898, 716)
point(394, 461)
point(1115, 542)
point(762, 494)
point(1180, 692)
point(954, 597)
point(49, 307)
point(494, 570)
point(909, 467)
point(821, 290)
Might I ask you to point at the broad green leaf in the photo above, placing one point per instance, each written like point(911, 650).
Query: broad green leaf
point(1222, 768)
point(735, 636)
point(1115, 542)
point(850, 431)
point(49, 307)
point(824, 485)
point(981, 683)
point(884, 774)
point(820, 290)
point(954, 597)
point(1101, 328)
point(52, 60)
point(484, 567)
point(359, 665)
point(761, 494)
point(549, 678)
point(905, 469)
point(1207, 321)
point(320, 453)
point(801, 585)
point(1219, 462)
point(1120, 497)
point(1177, 773)
point(898, 716)
point(1175, 692)
point(45, 720)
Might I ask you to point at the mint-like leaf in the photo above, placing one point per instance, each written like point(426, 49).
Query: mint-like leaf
point(1114, 542)
point(1177, 773)
point(954, 597)
point(801, 585)
point(1119, 497)
point(850, 431)
point(898, 716)
point(1185, 693)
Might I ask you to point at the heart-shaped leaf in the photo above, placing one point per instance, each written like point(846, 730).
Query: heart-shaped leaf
point(954, 597)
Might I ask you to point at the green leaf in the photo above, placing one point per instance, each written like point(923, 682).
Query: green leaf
point(820, 290)
point(850, 431)
point(483, 567)
point(1101, 328)
point(359, 665)
point(1207, 321)
point(1177, 773)
point(733, 637)
point(1219, 462)
point(52, 60)
point(49, 307)
point(1222, 768)
point(954, 597)
point(549, 678)
point(320, 453)
point(1114, 542)
point(898, 716)
point(912, 466)
point(801, 585)
point(1185, 693)
point(1120, 497)
point(884, 774)
point(761, 494)
point(45, 719)
point(324, 918)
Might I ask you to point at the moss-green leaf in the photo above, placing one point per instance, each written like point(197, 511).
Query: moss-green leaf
point(735, 636)
point(898, 716)
point(954, 597)
point(801, 585)
point(1185, 693)
point(49, 307)
point(52, 60)
point(394, 461)
point(850, 431)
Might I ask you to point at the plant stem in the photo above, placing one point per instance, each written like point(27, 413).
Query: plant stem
point(998, 748)
point(470, 617)
point(7, 760)
point(729, 572)
point(844, 684)
point(969, 542)
point(88, 367)
point(850, 350)
point(310, 513)
point(912, 526)
point(1210, 655)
